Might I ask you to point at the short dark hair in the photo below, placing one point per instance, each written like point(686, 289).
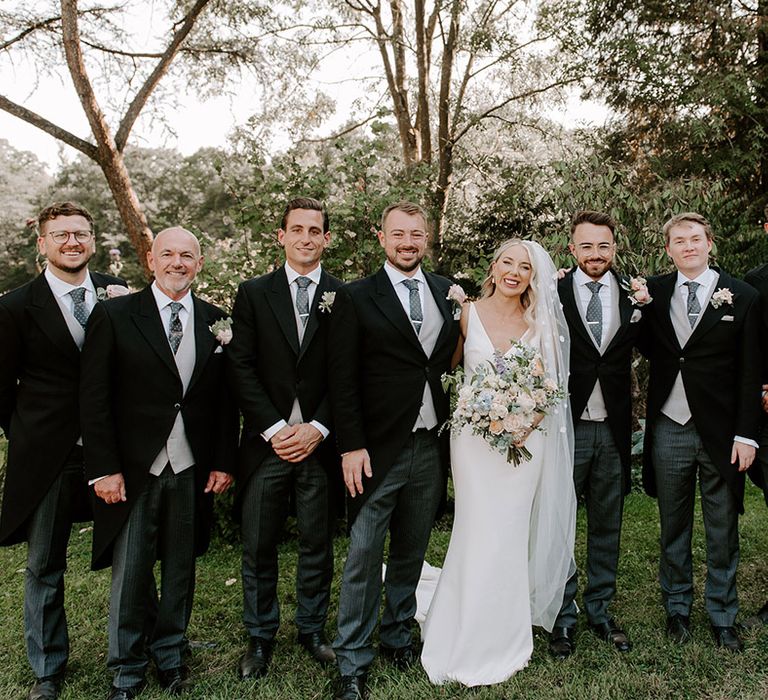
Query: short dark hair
point(690, 217)
point(590, 216)
point(306, 203)
point(408, 208)
point(63, 209)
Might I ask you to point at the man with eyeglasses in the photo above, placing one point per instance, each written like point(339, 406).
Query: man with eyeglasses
point(604, 326)
point(42, 327)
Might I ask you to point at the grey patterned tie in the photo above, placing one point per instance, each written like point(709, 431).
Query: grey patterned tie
point(175, 331)
point(595, 312)
point(79, 310)
point(694, 308)
point(302, 298)
point(414, 304)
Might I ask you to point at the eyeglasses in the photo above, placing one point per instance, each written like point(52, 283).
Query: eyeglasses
point(63, 236)
point(600, 247)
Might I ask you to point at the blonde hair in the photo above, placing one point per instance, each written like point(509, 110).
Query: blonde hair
point(528, 297)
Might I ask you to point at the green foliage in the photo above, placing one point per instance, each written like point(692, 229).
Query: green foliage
point(22, 179)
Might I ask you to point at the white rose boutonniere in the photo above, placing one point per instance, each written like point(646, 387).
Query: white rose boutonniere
point(720, 297)
point(458, 296)
point(638, 291)
point(222, 331)
point(326, 302)
point(111, 291)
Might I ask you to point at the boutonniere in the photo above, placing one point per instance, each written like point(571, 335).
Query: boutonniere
point(458, 296)
point(326, 302)
point(111, 291)
point(638, 291)
point(222, 331)
point(720, 297)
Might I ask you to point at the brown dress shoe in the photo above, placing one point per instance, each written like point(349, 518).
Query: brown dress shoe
point(316, 643)
point(612, 633)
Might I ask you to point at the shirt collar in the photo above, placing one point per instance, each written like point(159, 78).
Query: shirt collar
point(291, 274)
point(582, 277)
point(60, 288)
point(162, 299)
point(397, 276)
point(704, 278)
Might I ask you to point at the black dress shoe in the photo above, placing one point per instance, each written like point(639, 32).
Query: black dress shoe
point(562, 642)
point(47, 688)
point(402, 658)
point(352, 688)
point(612, 633)
point(727, 638)
point(174, 680)
point(125, 693)
point(255, 661)
point(316, 643)
point(759, 619)
point(679, 628)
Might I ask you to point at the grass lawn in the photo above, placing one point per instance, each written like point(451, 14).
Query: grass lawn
point(655, 668)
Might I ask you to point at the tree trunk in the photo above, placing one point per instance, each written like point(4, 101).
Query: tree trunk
point(761, 94)
point(107, 156)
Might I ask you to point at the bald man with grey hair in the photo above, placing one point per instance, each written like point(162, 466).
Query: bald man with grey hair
point(159, 433)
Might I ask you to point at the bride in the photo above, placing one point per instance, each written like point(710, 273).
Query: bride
point(511, 548)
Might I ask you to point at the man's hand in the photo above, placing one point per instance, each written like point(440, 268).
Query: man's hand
point(743, 454)
point(765, 398)
point(563, 271)
point(218, 482)
point(110, 489)
point(294, 443)
point(354, 464)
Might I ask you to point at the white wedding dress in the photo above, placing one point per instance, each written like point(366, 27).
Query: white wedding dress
point(478, 627)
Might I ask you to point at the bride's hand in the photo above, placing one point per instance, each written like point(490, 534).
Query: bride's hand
point(521, 441)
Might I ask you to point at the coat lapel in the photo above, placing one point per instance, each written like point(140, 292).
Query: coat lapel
point(386, 299)
point(444, 304)
point(205, 343)
point(148, 322)
point(46, 313)
point(571, 310)
point(626, 307)
point(662, 300)
point(279, 299)
point(711, 314)
point(314, 314)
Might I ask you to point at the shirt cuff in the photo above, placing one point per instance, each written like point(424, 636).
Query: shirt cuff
point(270, 432)
point(746, 441)
point(323, 430)
point(93, 481)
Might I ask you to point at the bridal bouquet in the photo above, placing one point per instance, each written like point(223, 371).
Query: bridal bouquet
point(502, 398)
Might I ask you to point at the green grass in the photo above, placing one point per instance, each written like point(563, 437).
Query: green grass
point(655, 668)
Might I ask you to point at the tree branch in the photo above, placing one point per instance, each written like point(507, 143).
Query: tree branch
point(344, 132)
point(29, 30)
point(48, 127)
point(134, 109)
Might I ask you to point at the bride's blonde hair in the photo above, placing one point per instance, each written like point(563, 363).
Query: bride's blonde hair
point(528, 297)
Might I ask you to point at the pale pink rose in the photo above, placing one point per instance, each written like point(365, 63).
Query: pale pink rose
point(642, 296)
point(513, 423)
point(456, 293)
point(637, 283)
point(538, 369)
point(116, 290)
point(224, 336)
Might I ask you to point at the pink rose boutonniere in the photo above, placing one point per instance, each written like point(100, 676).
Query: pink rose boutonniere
point(720, 297)
point(458, 296)
point(111, 291)
point(638, 291)
point(222, 331)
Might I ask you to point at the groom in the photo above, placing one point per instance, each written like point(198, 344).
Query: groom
point(604, 326)
point(702, 419)
point(392, 336)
